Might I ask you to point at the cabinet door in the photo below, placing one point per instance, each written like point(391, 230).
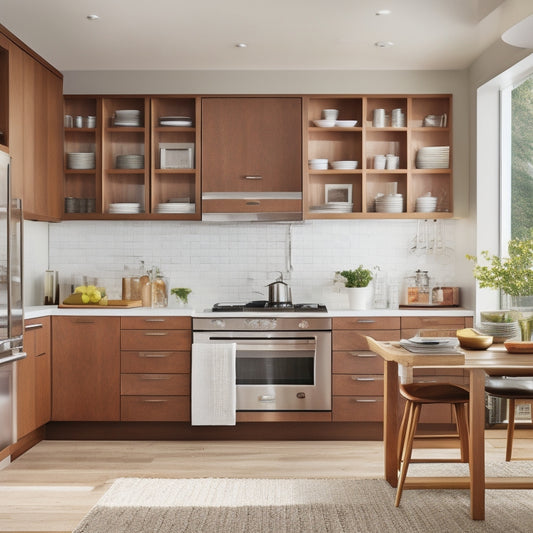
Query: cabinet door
point(43, 373)
point(251, 144)
point(86, 368)
point(26, 386)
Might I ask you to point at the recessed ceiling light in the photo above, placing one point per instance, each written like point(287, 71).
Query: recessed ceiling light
point(383, 12)
point(241, 45)
point(384, 44)
point(93, 17)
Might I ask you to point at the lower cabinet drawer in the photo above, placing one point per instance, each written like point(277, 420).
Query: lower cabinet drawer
point(357, 409)
point(357, 385)
point(155, 409)
point(153, 361)
point(154, 384)
point(141, 339)
point(356, 339)
point(357, 362)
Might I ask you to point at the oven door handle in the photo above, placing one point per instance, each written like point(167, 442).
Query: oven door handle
point(276, 347)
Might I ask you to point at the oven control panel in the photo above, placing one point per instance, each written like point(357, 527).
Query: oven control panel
point(261, 324)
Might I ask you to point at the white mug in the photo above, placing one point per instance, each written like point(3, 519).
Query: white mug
point(379, 118)
point(379, 162)
point(330, 114)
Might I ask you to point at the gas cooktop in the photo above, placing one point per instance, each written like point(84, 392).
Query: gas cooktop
point(265, 306)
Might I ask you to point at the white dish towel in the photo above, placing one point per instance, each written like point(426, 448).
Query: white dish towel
point(213, 390)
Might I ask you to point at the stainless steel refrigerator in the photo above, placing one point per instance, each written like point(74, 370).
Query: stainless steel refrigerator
point(11, 311)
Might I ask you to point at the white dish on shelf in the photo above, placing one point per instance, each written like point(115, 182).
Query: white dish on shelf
point(344, 165)
point(324, 123)
point(345, 123)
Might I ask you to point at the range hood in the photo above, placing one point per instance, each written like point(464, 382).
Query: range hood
point(251, 207)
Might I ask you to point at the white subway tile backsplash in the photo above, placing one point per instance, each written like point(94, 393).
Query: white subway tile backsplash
point(232, 262)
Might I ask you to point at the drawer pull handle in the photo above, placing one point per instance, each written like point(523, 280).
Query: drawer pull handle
point(33, 326)
point(366, 321)
point(357, 354)
point(156, 333)
point(253, 177)
point(153, 355)
point(155, 401)
point(84, 321)
point(359, 378)
point(154, 378)
point(366, 401)
point(154, 320)
point(253, 203)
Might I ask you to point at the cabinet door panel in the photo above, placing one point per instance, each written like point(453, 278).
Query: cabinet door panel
point(155, 384)
point(86, 368)
point(357, 385)
point(357, 409)
point(251, 136)
point(357, 362)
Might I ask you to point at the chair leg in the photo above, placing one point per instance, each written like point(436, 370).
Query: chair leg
point(402, 430)
point(408, 449)
point(510, 430)
point(461, 419)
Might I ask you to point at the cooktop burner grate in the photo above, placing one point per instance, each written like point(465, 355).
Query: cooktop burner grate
point(265, 306)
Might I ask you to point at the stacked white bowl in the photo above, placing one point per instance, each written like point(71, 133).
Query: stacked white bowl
point(318, 164)
point(426, 204)
point(344, 165)
point(389, 203)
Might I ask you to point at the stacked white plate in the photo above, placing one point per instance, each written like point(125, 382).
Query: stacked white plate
point(389, 203)
point(345, 123)
point(433, 157)
point(175, 207)
point(130, 161)
point(501, 331)
point(318, 164)
point(333, 207)
point(426, 204)
point(175, 121)
point(81, 160)
point(124, 208)
point(344, 165)
point(127, 117)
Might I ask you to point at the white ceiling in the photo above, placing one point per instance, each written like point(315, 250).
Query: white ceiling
point(280, 34)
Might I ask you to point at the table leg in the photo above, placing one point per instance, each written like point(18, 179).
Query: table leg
point(390, 422)
point(477, 444)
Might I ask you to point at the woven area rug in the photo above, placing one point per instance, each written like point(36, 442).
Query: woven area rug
point(221, 505)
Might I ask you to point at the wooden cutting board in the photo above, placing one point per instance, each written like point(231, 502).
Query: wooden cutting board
point(111, 304)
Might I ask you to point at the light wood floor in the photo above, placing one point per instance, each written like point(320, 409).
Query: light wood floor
point(53, 485)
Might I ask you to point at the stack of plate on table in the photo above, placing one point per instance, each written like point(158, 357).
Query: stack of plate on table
point(127, 117)
point(81, 160)
point(389, 203)
point(130, 161)
point(433, 157)
point(426, 204)
point(175, 207)
point(175, 121)
point(432, 345)
point(333, 207)
point(124, 208)
point(500, 331)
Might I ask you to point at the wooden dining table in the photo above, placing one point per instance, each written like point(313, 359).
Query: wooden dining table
point(494, 361)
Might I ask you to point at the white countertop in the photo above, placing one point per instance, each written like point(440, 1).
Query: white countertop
point(53, 310)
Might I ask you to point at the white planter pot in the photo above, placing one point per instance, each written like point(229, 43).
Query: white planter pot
point(359, 297)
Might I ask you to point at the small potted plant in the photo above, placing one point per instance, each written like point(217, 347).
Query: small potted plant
point(513, 276)
point(181, 294)
point(357, 282)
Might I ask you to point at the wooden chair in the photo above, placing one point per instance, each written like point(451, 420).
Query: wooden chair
point(417, 395)
point(511, 388)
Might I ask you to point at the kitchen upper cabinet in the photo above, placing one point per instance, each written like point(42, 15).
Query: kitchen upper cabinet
point(32, 124)
point(252, 157)
point(86, 368)
point(34, 377)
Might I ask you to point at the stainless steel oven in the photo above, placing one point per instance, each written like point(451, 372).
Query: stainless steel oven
point(282, 364)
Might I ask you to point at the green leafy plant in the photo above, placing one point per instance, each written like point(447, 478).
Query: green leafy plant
point(359, 277)
point(512, 275)
point(181, 293)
